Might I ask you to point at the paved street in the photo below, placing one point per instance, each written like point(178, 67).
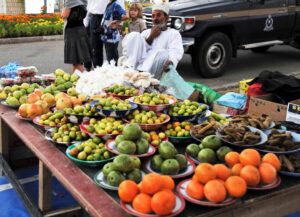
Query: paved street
point(48, 56)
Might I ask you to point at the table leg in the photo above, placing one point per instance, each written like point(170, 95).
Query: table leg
point(45, 188)
point(5, 138)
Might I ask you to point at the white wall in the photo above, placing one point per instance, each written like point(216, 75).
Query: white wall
point(33, 6)
point(2, 6)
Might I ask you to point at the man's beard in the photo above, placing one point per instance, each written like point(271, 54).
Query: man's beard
point(161, 25)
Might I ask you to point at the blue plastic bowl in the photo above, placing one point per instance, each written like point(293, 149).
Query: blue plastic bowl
point(113, 112)
point(191, 117)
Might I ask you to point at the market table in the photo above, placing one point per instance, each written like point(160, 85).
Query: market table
point(78, 180)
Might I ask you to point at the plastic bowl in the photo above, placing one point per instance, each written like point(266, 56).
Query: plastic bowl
point(155, 108)
point(180, 140)
point(191, 117)
point(150, 127)
point(113, 112)
point(84, 162)
point(122, 97)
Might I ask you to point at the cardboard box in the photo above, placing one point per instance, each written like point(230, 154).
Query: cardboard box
point(267, 105)
point(221, 109)
point(293, 111)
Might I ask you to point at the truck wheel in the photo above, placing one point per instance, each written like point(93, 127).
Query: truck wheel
point(260, 49)
point(212, 55)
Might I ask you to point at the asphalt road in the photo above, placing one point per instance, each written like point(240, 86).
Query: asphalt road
point(47, 56)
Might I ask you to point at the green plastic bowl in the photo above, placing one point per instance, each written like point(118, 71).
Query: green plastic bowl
point(179, 140)
point(84, 162)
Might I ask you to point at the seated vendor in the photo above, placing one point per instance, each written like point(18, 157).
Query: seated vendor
point(153, 49)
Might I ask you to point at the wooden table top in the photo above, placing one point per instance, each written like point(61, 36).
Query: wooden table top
point(78, 180)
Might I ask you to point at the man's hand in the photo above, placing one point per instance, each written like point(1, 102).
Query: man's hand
point(167, 63)
point(155, 32)
point(65, 13)
point(114, 24)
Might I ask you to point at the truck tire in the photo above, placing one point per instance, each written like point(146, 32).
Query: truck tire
point(260, 49)
point(212, 55)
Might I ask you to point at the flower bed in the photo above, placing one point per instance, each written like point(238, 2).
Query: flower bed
point(23, 25)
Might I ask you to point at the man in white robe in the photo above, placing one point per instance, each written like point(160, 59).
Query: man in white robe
point(153, 49)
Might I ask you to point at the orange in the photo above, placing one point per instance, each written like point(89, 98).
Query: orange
point(221, 181)
point(222, 171)
point(205, 172)
point(155, 137)
point(232, 158)
point(168, 182)
point(214, 191)
point(128, 190)
point(250, 157)
point(195, 190)
point(162, 203)
point(236, 169)
point(152, 183)
point(194, 178)
point(187, 127)
point(171, 193)
point(176, 124)
point(251, 175)
point(142, 203)
point(236, 186)
point(267, 173)
point(273, 160)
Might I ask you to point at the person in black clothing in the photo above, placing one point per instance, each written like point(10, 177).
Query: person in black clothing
point(77, 49)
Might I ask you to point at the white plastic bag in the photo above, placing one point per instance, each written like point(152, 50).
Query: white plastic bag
point(173, 80)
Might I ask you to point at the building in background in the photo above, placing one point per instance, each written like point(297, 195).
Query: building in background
point(29, 6)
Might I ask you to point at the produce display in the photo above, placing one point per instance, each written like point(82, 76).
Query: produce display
point(123, 167)
point(121, 90)
point(155, 138)
point(177, 129)
point(257, 171)
point(146, 117)
point(209, 151)
point(104, 126)
point(280, 141)
point(29, 71)
point(68, 133)
point(86, 110)
point(113, 103)
point(186, 108)
point(17, 94)
point(168, 161)
point(217, 118)
point(63, 80)
point(53, 119)
point(240, 135)
point(151, 99)
point(256, 122)
point(203, 130)
point(132, 141)
point(155, 194)
point(91, 150)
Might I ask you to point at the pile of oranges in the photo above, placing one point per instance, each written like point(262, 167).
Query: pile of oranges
point(252, 168)
point(215, 182)
point(153, 194)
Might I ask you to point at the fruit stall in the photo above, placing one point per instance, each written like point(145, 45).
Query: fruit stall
point(129, 147)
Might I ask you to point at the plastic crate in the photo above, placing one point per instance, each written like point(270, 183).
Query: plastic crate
point(243, 86)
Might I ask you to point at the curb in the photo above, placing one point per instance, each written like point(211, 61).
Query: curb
point(31, 39)
point(235, 85)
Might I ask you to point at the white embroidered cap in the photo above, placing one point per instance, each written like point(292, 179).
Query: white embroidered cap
point(161, 7)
